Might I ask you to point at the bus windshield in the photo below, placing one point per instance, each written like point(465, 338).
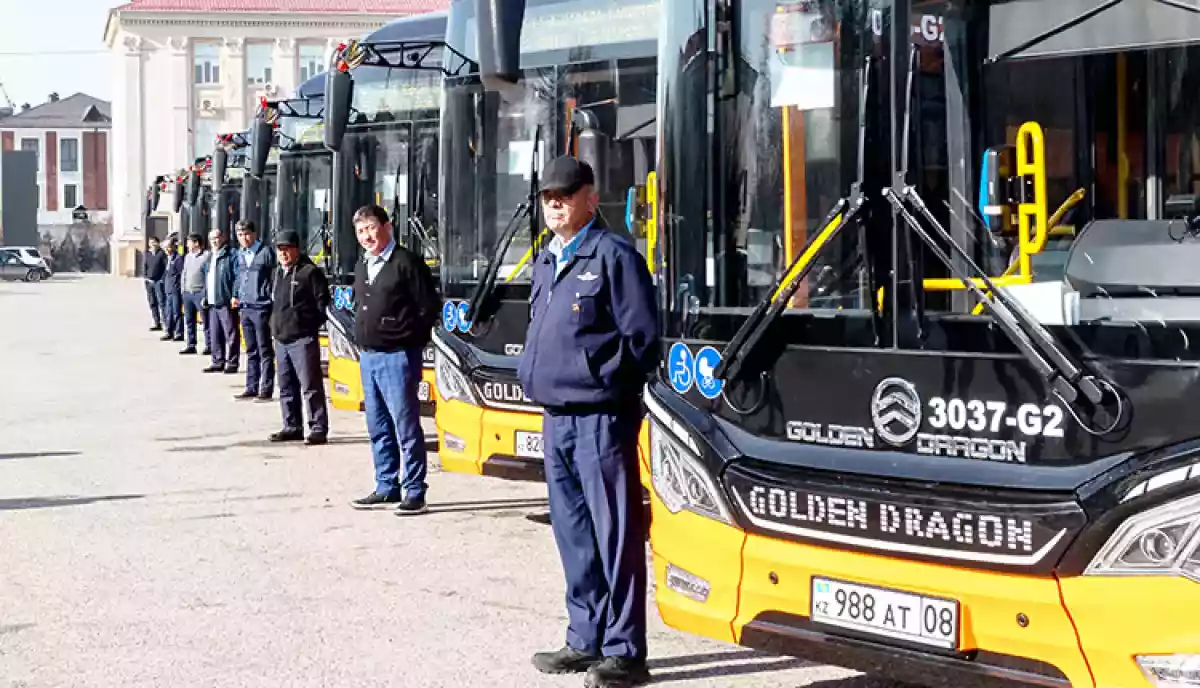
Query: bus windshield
point(305, 179)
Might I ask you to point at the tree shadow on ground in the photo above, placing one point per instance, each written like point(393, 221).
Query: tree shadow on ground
point(37, 455)
point(21, 504)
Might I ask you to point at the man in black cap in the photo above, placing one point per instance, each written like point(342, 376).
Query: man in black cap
point(297, 313)
point(592, 343)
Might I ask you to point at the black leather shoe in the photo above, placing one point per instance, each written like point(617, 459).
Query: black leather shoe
point(188, 350)
point(617, 672)
point(231, 371)
point(178, 338)
point(166, 338)
point(206, 352)
point(315, 438)
point(568, 660)
point(245, 395)
point(410, 506)
point(265, 397)
point(156, 328)
point(214, 369)
point(286, 436)
point(375, 501)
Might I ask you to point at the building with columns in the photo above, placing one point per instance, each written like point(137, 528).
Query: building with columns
point(187, 70)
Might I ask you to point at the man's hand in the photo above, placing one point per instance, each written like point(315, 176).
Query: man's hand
point(233, 302)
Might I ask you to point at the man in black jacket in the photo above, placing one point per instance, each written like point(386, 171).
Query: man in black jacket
point(154, 269)
point(395, 306)
point(298, 311)
point(173, 318)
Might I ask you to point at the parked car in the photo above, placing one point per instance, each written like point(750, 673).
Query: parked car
point(23, 263)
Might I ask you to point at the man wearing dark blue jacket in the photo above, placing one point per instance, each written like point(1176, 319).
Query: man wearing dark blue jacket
point(219, 278)
point(255, 283)
point(592, 343)
point(172, 280)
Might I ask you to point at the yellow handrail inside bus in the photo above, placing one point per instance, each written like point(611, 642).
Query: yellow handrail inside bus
point(1031, 160)
point(652, 221)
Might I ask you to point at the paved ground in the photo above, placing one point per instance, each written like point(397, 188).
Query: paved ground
point(149, 536)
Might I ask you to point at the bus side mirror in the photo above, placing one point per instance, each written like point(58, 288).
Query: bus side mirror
point(499, 34)
point(339, 94)
point(193, 188)
point(220, 158)
point(178, 195)
point(155, 194)
point(998, 192)
point(261, 133)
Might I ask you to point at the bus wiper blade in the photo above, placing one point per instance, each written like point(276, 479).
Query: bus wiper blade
point(488, 283)
point(428, 245)
point(746, 340)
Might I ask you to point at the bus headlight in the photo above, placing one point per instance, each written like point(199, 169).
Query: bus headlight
point(1163, 541)
point(1171, 671)
point(452, 384)
point(680, 481)
point(340, 347)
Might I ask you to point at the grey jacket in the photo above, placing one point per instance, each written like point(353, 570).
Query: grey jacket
point(193, 271)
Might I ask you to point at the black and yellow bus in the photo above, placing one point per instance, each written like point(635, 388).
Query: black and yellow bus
point(386, 149)
point(930, 314)
point(584, 86)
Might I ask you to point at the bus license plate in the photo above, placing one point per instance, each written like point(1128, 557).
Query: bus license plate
point(529, 445)
point(423, 391)
point(887, 613)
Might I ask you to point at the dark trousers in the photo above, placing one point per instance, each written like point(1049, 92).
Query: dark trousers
point(174, 313)
point(394, 420)
point(300, 374)
point(226, 341)
point(193, 306)
point(260, 354)
point(156, 297)
point(599, 527)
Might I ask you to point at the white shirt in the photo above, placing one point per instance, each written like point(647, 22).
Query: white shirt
point(211, 281)
point(375, 263)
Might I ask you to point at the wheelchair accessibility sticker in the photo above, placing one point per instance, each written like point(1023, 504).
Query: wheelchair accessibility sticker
point(687, 370)
point(680, 366)
point(343, 298)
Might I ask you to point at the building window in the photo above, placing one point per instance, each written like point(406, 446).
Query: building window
point(207, 63)
point(312, 60)
point(33, 146)
point(259, 58)
point(70, 196)
point(204, 136)
point(69, 157)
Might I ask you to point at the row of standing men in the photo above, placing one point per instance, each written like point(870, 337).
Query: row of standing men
point(591, 344)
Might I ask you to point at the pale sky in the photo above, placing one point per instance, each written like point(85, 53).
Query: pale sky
point(32, 31)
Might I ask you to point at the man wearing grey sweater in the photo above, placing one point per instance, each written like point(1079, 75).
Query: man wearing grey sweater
point(192, 284)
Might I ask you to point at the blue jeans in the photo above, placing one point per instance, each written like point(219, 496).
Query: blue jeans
point(390, 383)
point(193, 307)
point(174, 317)
point(156, 296)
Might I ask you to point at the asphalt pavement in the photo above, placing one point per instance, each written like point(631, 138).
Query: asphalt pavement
point(151, 536)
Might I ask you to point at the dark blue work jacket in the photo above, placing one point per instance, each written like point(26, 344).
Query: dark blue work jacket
point(593, 331)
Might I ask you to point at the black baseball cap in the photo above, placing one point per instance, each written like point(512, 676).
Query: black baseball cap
point(566, 175)
point(287, 237)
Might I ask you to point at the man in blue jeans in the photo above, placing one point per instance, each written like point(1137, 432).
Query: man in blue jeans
point(192, 285)
point(172, 280)
point(219, 275)
point(395, 306)
point(154, 271)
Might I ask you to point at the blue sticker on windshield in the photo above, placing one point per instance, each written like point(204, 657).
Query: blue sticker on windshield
point(707, 360)
point(343, 298)
point(449, 316)
point(463, 324)
point(680, 366)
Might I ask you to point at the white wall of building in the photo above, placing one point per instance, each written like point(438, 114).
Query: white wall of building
point(157, 104)
point(62, 216)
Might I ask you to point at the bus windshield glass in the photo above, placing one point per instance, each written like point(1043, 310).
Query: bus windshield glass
point(588, 91)
point(305, 179)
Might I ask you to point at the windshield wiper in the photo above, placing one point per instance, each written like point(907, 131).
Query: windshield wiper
point(845, 211)
point(524, 209)
point(1066, 378)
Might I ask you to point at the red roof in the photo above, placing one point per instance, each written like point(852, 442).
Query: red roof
point(387, 7)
